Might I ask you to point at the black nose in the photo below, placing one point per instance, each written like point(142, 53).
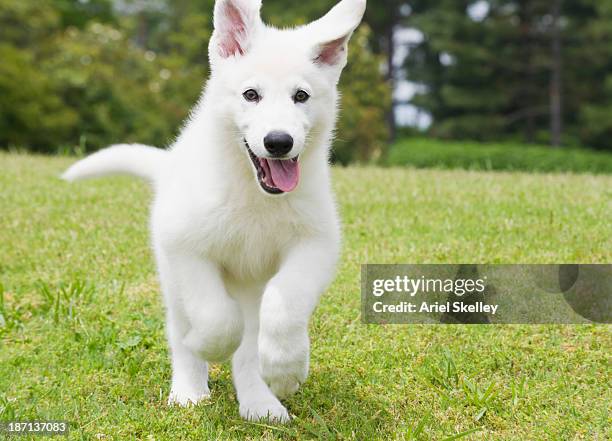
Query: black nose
point(278, 143)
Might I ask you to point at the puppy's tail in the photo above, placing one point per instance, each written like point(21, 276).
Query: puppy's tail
point(131, 159)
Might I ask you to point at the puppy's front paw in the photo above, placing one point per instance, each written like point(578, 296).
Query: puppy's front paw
point(185, 398)
point(269, 410)
point(283, 362)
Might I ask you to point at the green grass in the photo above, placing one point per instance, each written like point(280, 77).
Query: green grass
point(82, 333)
point(428, 153)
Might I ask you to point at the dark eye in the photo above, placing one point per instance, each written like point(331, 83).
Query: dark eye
point(301, 96)
point(251, 95)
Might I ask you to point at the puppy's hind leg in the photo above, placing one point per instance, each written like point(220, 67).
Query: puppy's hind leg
point(257, 402)
point(189, 371)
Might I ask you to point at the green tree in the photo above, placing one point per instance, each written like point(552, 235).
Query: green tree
point(531, 70)
point(589, 72)
point(366, 97)
point(31, 110)
point(79, 13)
point(483, 79)
point(118, 90)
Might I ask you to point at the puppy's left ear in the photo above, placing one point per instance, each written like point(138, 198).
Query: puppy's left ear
point(235, 22)
point(334, 31)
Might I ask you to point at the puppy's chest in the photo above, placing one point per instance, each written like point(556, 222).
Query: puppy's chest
point(248, 241)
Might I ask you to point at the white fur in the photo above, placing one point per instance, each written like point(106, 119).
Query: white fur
point(241, 270)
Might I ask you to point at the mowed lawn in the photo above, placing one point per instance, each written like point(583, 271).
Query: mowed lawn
point(82, 330)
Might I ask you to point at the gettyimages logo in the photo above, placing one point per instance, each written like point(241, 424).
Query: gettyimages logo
point(487, 294)
point(411, 287)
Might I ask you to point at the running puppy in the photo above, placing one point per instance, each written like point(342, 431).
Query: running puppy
point(244, 224)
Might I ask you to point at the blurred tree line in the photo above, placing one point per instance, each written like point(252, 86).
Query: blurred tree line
point(88, 73)
point(523, 70)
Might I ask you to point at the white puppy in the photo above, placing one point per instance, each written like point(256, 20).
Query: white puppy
point(244, 224)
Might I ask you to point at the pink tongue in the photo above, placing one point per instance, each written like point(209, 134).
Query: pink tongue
point(285, 173)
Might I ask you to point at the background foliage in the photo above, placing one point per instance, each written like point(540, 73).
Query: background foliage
point(80, 74)
point(90, 73)
point(527, 70)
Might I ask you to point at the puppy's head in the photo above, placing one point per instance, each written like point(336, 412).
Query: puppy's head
point(278, 87)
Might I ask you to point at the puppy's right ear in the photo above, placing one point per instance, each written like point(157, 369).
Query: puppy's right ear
point(236, 22)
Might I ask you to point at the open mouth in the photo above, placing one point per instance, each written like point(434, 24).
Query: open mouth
point(275, 176)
